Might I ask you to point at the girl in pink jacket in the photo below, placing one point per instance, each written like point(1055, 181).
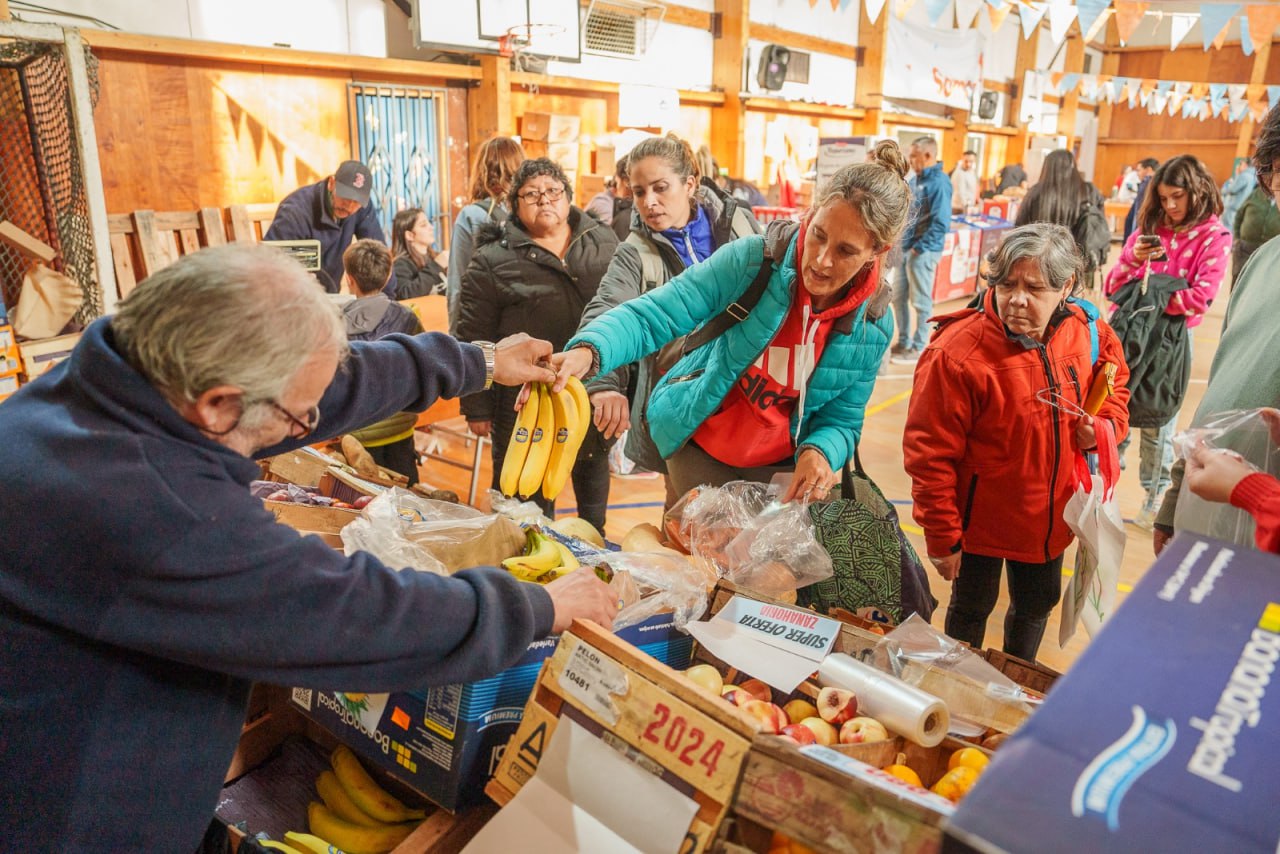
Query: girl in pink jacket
point(1179, 234)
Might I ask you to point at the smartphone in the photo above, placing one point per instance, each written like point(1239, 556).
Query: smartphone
point(1153, 240)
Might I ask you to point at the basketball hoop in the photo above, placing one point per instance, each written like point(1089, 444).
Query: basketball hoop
point(524, 39)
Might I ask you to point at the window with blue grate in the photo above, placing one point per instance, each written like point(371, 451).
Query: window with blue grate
point(399, 134)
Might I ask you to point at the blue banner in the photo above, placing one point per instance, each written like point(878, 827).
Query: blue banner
point(1214, 17)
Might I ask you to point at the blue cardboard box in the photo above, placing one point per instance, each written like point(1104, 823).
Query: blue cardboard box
point(1164, 736)
point(445, 742)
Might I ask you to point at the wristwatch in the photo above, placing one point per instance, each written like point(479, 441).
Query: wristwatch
point(490, 351)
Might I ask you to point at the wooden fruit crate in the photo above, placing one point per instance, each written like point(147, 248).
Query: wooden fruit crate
point(279, 756)
point(655, 717)
point(324, 522)
point(1028, 674)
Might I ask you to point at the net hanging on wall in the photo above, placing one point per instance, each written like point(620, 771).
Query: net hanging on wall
point(42, 188)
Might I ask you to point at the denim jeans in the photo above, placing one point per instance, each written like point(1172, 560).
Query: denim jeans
point(915, 290)
point(1155, 460)
point(1034, 589)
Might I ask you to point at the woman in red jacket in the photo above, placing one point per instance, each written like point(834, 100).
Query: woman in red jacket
point(991, 463)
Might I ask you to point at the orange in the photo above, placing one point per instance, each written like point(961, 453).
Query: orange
point(955, 784)
point(905, 774)
point(969, 757)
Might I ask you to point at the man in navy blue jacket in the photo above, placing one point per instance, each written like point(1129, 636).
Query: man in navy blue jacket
point(334, 211)
point(142, 588)
point(921, 249)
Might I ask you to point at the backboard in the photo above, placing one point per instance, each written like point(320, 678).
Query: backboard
point(475, 26)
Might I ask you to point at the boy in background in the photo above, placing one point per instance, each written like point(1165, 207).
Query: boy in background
point(372, 315)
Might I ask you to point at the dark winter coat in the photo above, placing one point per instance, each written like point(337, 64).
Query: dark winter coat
point(304, 215)
point(513, 285)
point(414, 281)
point(371, 318)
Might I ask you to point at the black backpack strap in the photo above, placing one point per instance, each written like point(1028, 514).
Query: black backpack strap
point(738, 310)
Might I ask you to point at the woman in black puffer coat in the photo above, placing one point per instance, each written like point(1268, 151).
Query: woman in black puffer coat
point(535, 274)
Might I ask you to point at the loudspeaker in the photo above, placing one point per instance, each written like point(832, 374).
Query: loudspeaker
point(988, 103)
point(772, 71)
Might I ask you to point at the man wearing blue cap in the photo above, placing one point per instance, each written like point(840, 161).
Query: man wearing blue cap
point(334, 211)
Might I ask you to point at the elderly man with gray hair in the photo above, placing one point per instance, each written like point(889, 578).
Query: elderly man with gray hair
point(994, 427)
point(142, 588)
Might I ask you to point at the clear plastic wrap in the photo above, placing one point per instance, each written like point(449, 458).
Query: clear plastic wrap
point(401, 528)
point(915, 652)
point(750, 538)
point(523, 513)
point(270, 490)
point(661, 582)
point(1251, 434)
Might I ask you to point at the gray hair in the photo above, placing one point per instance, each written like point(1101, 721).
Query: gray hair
point(927, 144)
point(246, 316)
point(877, 190)
point(1051, 246)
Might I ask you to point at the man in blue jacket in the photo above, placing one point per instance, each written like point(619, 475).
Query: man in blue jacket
point(142, 588)
point(334, 211)
point(921, 249)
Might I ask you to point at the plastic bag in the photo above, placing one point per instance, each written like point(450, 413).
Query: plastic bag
point(524, 513)
point(915, 650)
point(1093, 514)
point(47, 303)
point(663, 582)
point(751, 539)
point(401, 528)
point(264, 489)
point(1254, 435)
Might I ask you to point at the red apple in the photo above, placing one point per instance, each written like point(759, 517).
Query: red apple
point(837, 705)
point(823, 732)
point(772, 719)
point(362, 502)
point(862, 729)
point(280, 495)
point(800, 734)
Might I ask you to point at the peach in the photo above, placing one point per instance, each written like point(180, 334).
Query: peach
point(823, 732)
point(858, 730)
point(800, 734)
point(798, 710)
point(837, 705)
point(705, 677)
point(757, 689)
point(772, 719)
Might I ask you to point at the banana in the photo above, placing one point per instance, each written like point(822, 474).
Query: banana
point(278, 846)
point(371, 798)
point(567, 560)
point(535, 464)
point(355, 838)
point(518, 447)
point(336, 799)
point(574, 415)
point(307, 842)
point(540, 555)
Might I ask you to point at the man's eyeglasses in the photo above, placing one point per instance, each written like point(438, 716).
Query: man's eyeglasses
point(533, 197)
point(307, 427)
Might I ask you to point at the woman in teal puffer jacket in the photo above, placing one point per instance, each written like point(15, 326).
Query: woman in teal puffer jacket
point(785, 388)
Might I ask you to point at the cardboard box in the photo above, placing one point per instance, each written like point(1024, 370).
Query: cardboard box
point(564, 129)
point(589, 186)
point(1001, 207)
point(564, 154)
point(445, 742)
point(604, 160)
point(324, 522)
point(1164, 734)
point(10, 357)
point(534, 148)
point(40, 355)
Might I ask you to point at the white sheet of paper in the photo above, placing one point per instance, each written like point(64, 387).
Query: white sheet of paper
point(731, 645)
point(586, 797)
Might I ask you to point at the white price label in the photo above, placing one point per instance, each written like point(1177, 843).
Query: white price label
point(593, 678)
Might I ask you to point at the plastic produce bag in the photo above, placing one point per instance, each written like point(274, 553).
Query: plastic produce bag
point(524, 513)
point(1254, 435)
point(401, 529)
point(915, 652)
point(752, 539)
point(1093, 514)
point(662, 582)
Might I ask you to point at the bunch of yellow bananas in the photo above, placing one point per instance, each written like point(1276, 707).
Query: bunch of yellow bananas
point(357, 817)
point(545, 441)
point(544, 559)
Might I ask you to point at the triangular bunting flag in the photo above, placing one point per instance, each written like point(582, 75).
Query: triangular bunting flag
point(1273, 96)
point(1262, 18)
point(1069, 82)
point(1182, 87)
point(1158, 103)
point(1237, 90)
point(1163, 86)
point(1214, 18)
point(1056, 79)
point(1128, 15)
point(1061, 14)
point(873, 9)
point(1246, 38)
point(1218, 96)
point(1238, 111)
point(966, 10)
point(1182, 25)
point(1117, 87)
point(1089, 11)
point(934, 9)
point(997, 15)
point(1031, 15)
point(1199, 90)
point(902, 7)
point(1175, 101)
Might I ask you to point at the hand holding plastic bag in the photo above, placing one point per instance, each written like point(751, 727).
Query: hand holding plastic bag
point(650, 583)
point(1093, 515)
point(1251, 435)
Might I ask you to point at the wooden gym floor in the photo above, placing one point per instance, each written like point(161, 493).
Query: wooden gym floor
point(633, 500)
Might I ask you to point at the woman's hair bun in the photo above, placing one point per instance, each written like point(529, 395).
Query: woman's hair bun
point(888, 154)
